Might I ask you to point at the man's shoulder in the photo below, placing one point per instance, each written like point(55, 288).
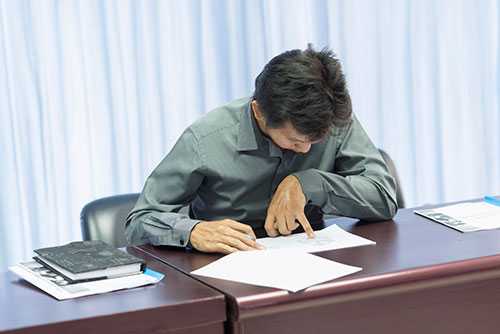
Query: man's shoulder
point(224, 118)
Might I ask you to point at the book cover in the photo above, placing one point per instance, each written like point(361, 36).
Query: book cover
point(85, 256)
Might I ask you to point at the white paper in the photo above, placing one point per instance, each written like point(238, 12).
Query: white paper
point(57, 287)
point(466, 217)
point(332, 237)
point(283, 269)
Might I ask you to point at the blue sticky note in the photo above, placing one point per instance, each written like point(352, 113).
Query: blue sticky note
point(492, 200)
point(155, 274)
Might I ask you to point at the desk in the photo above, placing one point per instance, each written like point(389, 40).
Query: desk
point(177, 304)
point(421, 277)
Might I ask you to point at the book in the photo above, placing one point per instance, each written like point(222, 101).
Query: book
point(60, 288)
point(89, 260)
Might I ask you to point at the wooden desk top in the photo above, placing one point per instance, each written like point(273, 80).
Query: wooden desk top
point(409, 249)
point(174, 304)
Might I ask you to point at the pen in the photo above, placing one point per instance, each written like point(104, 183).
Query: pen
point(492, 200)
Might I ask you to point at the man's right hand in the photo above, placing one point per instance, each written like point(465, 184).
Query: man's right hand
point(223, 236)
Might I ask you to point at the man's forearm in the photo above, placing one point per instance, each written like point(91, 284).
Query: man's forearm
point(358, 196)
point(159, 228)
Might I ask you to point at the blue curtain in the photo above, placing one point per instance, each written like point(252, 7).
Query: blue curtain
point(94, 93)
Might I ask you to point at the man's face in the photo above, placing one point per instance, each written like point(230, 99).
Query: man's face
point(287, 138)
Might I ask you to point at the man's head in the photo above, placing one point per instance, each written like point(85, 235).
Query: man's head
point(299, 96)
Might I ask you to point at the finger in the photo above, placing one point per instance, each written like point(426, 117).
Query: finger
point(247, 229)
point(269, 226)
point(291, 223)
point(223, 248)
point(305, 224)
point(236, 243)
point(243, 237)
point(281, 222)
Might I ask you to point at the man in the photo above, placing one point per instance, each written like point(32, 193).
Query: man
point(261, 160)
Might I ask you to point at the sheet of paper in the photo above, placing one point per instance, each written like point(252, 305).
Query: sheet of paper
point(466, 217)
point(56, 286)
point(283, 269)
point(332, 237)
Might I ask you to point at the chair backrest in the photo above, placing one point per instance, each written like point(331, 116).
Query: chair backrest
point(392, 169)
point(104, 219)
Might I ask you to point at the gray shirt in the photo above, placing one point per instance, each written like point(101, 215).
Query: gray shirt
point(222, 167)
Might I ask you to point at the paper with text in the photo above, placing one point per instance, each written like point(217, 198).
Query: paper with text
point(465, 217)
point(332, 237)
point(56, 286)
point(290, 270)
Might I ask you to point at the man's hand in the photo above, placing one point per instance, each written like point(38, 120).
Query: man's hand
point(223, 236)
point(286, 208)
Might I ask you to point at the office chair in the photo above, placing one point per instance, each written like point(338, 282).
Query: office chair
point(392, 170)
point(104, 219)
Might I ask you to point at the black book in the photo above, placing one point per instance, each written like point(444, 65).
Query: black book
point(89, 260)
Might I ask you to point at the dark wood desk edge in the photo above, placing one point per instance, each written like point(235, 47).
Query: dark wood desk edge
point(143, 249)
point(459, 270)
point(213, 300)
point(246, 312)
point(273, 301)
point(118, 320)
point(105, 320)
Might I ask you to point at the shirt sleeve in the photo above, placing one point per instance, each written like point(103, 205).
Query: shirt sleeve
point(360, 186)
point(158, 217)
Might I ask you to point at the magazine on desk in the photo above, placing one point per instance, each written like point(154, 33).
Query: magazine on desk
point(61, 288)
point(465, 217)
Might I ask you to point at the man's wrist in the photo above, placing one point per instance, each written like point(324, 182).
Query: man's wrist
point(311, 185)
point(189, 245)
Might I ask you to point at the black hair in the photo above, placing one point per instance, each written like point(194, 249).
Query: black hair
point(306, 88)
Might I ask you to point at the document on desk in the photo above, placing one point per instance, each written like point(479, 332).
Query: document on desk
point(332, 237)
point(286, 269)
point(58, 287)
point(465, 217)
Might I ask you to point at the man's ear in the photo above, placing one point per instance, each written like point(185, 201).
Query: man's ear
point(257, 113)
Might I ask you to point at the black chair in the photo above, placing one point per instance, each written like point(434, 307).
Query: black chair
point(104, 219)
point(392, 169)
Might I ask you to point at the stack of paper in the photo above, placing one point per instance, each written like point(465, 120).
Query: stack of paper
point(286, 264)
point(291, 270)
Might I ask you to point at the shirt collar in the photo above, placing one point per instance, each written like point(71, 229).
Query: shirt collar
point(248, 132)
point(251, 138)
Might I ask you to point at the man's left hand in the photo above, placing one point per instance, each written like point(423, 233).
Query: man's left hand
point(286, 209)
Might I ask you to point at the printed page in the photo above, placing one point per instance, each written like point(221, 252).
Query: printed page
point(290, 270)
point(332, 237)
point(469, 216)
point(55, 285)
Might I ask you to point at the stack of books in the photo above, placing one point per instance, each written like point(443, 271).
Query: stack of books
point(89, 260)
point(83, 268)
